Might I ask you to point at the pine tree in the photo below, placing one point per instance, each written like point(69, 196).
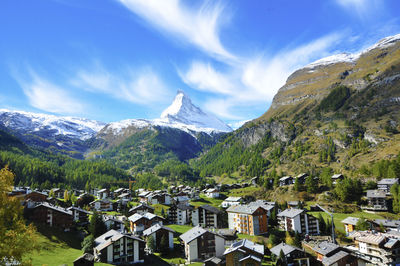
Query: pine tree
point(297, 185)
point(88, 244)
point(164, 245)
point(151, 244)
point(297, 240)
point(97, 226)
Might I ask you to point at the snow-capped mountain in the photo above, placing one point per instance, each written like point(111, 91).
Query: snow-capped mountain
point(352, 58)
point(28, 123)
point(181, 114)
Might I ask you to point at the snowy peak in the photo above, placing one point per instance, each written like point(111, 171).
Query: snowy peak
point(182, 112)
point(352, 58)
point(25, 122)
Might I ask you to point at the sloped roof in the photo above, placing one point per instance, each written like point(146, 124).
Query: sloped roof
point(110, 236)
point(376, 193)
point(284, 178)
point(391, 243)
point(246, 244)
point(325, 247)
point(251, 257)
point(233, 199)
point(247, 209)
point(388, 181)
point(155, 228)
point(56, 208)
point(210, 208)
point(388, 223)
point(350, 220)
point(287, 249)
point(192, 234)
point(334, 258)
point(291, 212)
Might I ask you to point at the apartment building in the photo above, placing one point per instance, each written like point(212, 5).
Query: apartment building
point(248, 219)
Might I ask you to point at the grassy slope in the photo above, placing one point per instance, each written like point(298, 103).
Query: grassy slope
point(57, 247)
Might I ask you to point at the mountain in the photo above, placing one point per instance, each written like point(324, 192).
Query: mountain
point(182, 132)
point(77, 137)
point(60, 134)
point(342, 112)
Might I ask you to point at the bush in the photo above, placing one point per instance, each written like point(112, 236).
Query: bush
point(335, 99)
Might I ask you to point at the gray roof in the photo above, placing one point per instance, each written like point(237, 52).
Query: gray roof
point(336, 176)
point(155, 228)
point(287, 249)
point(227, 232)
point(291, 212)
point(56, 208)
point(388, 223)
point(79, 210)
point(109, 237)
point(251, 257)
point(388, 181)
point(210, 208)
point(376, 194)
point(245, 243)
point(233, 199)
point(86, 256)
point(137, 216)
point(214, 260)
point(140, 206)
point(325, 247)
point(263, 204)
point(391, 243)
point(247, 209)
point(284, 178)
point(334, 258)
point(192, 234)
point(350, 220)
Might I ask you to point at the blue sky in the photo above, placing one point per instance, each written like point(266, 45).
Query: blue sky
point(116, 59)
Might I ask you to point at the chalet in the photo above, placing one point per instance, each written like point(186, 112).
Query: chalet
point(140, 222)
point(387, 183)
point(118, 248)
point(120, 191)
point(84, 260)
point(207, 216)
point(325, 249)
point(248, 219)
point(375, 248)
point(299, 221)
point(244, 252)
point(36, 196)
point(286, 180)
point(293, 204)
point(114, 222)
point(229, 235)
point(141, 209)
point(212, 193)
point(103, 193)
point(180, 214)
point(350, 224)
point(231, 201)
point(159, 231)
point(302, 178)
point(181, 200)
point(101, 205)
point(376, 200)
point(336, 178)
point(52, 215)
point(201, 244)
point(58, 193)
point(341, 258)
point(79, 215)
point(158, 197)
point(125, 198)
point(293, 255)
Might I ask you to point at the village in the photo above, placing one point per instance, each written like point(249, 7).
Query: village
point(205, 226)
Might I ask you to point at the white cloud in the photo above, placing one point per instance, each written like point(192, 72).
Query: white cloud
point(136, 86)
point(46, 96)
point(199, 27)
point(363, 8)
point(236, 125)
point(205, 78)
point(255, 80)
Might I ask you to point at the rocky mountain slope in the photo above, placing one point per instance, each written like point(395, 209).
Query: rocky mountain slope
point(340, 112)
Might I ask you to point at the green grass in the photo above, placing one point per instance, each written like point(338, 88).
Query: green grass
point(56, 247)
point(205, 200)
point(241, 192)
point(158, 209)
point(338, 217)
point(180, 229)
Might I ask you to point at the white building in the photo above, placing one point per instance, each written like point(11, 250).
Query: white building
point(231, 201)
point(298, 220)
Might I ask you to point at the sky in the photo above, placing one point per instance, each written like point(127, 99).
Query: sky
point(111, 60)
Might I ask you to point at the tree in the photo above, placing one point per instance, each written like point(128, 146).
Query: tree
point(297, 239)
point(297, 185)
point(322, 224)
point(362, 224)
point(282, 257)
point(272, 240)
point(289, 239)
point(311, 184)
point(164, 245)
point(51, 194)
point(151, 244)
point(97, 226)
point(88, 244)
point(17, 239)
point(66, 196)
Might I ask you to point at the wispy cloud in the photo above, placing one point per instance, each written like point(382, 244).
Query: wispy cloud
point(141, 86)
point(256, 80)
point(197, 26)
point(46, 96)
point(362, 8)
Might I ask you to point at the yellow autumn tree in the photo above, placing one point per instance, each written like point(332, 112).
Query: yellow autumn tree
point(17, 239)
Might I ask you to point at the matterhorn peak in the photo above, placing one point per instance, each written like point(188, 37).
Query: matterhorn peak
point(183, 111)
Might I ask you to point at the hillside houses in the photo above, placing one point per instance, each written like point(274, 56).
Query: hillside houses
point(386, 184)
point(53, 215)
point(158, 231)
point(244, 252)
point(248, 219)
point(207, 216)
